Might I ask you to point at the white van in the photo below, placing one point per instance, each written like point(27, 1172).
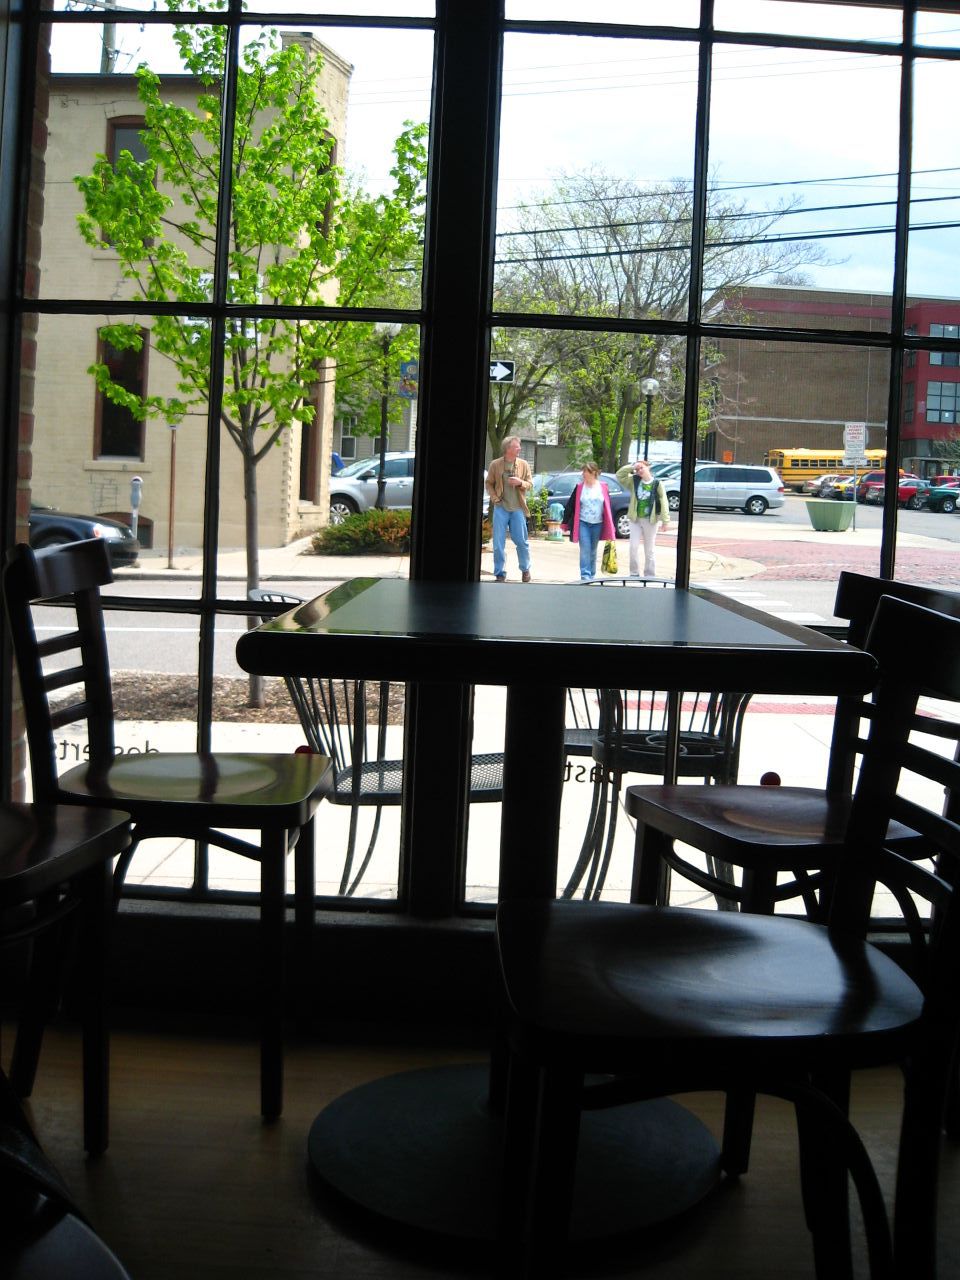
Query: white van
point(720, 484)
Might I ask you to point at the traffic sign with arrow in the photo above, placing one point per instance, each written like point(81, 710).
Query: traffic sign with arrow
point(502, 370)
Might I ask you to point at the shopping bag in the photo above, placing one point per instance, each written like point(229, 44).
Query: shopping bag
point(608, 564)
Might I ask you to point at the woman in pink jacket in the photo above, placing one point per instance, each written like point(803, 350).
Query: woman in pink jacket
point(588, 517)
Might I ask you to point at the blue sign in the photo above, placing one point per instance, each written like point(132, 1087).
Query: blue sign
point(409, 378)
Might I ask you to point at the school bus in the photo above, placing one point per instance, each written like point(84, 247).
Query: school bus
point(797, 465)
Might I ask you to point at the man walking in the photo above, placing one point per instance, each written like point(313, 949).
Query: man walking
point(509, 479)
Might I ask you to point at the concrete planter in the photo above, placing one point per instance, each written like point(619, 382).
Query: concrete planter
point(828, 516)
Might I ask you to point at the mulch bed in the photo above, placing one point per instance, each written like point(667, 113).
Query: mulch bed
point(144, 695)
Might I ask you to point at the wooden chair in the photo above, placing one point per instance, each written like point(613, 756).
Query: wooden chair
point(783, 838)
point(202, 796)
point(611, 1002)
point(55, 865)
point(42, 1231)
point(347, 721)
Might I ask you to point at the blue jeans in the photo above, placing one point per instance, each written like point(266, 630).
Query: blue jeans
point(589, 541)
point(516, 522)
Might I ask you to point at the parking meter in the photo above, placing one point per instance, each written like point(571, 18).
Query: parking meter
point(136, 489)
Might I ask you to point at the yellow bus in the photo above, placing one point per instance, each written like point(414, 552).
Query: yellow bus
point(797, 465)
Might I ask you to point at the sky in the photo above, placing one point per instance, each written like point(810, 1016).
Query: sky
point(818, 128)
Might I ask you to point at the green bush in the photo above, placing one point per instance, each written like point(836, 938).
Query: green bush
point(365, 532)
point(537, 504)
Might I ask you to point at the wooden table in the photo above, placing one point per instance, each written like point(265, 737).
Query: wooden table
point(421, 1149)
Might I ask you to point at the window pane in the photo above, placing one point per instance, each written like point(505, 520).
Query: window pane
point(826, 21)
point(90, 447)
point(939, 29)
point(934, 203)
point(673, 13)
point(809, 200)
point(140, 223)
point(779, 407)
point(594, 212)
point(350, 108)
point(293, 390)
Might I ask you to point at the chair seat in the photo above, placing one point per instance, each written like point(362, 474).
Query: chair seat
point(239, 790)
point(44, 846)
point(616, 978)
point(733, 822)
point(381, 781)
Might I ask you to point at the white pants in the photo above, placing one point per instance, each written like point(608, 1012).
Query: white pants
point(646, 530)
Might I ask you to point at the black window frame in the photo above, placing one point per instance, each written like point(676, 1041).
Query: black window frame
point(456, 319)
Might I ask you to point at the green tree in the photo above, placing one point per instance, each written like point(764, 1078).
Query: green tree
point(610, 248)
point(299, 235)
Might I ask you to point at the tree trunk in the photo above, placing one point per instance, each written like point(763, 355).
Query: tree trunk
point(251, 513)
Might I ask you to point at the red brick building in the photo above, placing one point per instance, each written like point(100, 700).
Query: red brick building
point(772, 395)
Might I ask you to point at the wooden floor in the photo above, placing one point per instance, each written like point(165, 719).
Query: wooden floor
point(195, 1187)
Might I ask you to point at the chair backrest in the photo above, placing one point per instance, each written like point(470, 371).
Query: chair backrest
point(65, 676)
point(892, 756)
point(635, 727)
point(856, 601)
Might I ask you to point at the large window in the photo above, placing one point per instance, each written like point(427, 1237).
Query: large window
point(714, 232)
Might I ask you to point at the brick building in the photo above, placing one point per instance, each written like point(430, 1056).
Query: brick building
point(86, 451)
point(773, 395)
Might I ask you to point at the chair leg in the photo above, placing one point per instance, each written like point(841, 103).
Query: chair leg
point(97, 891)
point(304, 899)
point(38, 1006)
point(651, 874)
point(540, 1155)
point(273, 850)
point(915, 1214)
point(738, 1117)
point(824, 1185)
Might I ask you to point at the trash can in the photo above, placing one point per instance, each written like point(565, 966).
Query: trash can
point(554, 519)
point(828, 516)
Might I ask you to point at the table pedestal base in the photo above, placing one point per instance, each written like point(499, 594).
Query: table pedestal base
point(422, 1150)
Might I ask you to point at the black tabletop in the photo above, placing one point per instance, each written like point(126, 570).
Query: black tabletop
point(488, 633)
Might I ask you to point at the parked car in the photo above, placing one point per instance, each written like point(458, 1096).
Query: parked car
point(355, 487)
point(946, 482)
point(51, 528)
point(878, 477)
point(829, 482)
point(814, 486)
point(943, 497)
point(911, 494)
point(729, 485)
point(561, 484)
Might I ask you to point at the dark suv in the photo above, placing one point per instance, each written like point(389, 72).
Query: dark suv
point(561, 484)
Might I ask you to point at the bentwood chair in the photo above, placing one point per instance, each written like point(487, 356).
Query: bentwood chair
point(611, 1002)
point(347, 720)
point(625, 731)
point(783, 838)
point(55, 900)
point(203, 796)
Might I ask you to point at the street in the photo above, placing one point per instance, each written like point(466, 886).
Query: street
point(759, 562)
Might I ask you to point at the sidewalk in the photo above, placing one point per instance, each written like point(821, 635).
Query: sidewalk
point(552, 561)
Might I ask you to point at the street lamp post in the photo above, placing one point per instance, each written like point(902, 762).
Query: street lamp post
point(387, 332)
point(649, 387)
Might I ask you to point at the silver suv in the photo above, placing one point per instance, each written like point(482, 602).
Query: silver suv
point(355, 487)
point(720, 484)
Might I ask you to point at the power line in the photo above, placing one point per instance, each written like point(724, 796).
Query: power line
point(726, 217)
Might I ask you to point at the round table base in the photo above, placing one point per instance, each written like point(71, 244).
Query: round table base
point(422, 1150)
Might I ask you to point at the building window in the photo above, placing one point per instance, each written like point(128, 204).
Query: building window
point(118, 434)
point(909, 400)
point(124, 134)
point(942, 401)
point(947, 359)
